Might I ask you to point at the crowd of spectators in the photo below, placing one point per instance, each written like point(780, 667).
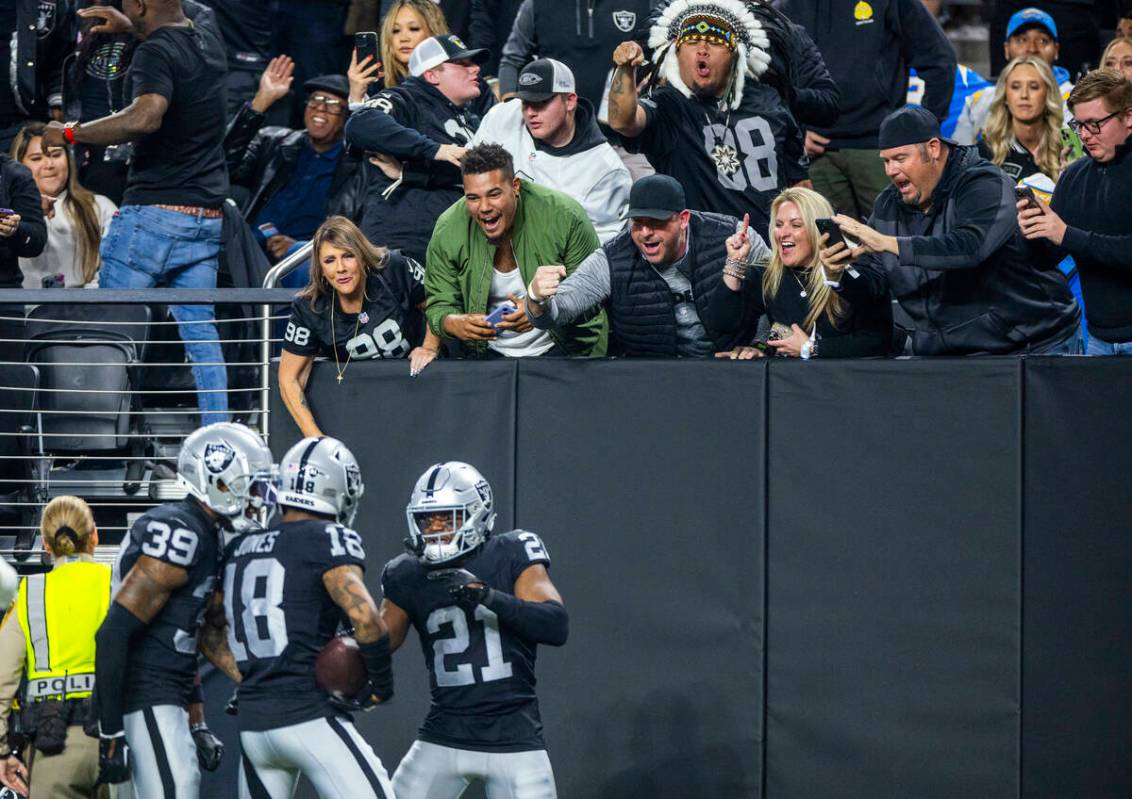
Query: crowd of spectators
point(667, 178)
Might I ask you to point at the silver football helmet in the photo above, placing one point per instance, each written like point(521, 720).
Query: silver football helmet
point(321, 476)
point(451, 513)
point(229, 469)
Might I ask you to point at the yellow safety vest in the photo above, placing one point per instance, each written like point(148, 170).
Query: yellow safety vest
point(59, 613)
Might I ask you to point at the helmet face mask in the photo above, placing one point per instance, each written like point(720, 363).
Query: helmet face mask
point(229, 470)
point(320, 475)
point(457, 495)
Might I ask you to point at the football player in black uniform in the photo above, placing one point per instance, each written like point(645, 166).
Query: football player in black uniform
point(729, 138)
point(164, 576)
point(285, 591)
point(361, 302)
point(481, 604)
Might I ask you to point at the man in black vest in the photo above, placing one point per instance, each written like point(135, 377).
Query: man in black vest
point(658, 280)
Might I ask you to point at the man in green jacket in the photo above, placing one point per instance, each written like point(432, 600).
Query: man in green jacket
point(484, 252)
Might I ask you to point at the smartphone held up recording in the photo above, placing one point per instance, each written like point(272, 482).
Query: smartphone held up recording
point(366, 46)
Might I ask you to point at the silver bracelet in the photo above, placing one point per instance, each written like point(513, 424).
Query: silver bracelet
point(735, 269)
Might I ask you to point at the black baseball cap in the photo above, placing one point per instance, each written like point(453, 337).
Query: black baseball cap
point(656, 197)
point(542, 79)
point(912, 124)
point(335, 84)
point(437, 50)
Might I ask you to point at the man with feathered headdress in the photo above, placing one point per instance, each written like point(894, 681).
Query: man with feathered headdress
point(726, 136)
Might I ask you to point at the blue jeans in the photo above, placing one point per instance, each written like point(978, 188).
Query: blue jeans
point(148, 246)
point(1098, 347)
point(1074, 345)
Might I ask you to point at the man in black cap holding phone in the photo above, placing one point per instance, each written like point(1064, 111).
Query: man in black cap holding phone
point(422, 126)
point(943, 239)
point(658, 278)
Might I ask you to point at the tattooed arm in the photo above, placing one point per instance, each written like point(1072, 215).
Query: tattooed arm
point(345, 586)
point(213, 638)
point(625, 114)
point(294, 371)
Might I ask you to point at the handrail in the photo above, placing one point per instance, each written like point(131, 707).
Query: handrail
point(274, 275)
point(150, 296)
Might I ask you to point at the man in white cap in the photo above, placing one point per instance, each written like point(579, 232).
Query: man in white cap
point(553, 137)
point(424, 124)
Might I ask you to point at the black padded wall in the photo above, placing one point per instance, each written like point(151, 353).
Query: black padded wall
point(1077, 689)
point(937, 554)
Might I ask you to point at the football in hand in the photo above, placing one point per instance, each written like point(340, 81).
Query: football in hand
point(339, 669)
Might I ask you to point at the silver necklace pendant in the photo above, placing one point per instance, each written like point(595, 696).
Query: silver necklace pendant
point(726, 159)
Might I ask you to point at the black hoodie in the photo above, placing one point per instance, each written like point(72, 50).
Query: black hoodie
point(963, 274)
point(410, 122)
point(868, 46)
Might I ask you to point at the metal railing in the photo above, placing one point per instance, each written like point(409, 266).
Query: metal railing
point(133, 471)
point(274, 275)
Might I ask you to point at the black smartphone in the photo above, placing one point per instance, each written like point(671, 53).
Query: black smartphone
point(831, 229)
point(365, 43)
point(1026, 194)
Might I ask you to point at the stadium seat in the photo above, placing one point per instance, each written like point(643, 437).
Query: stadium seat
point(88, 357)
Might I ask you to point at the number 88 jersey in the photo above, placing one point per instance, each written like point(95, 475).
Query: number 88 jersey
point(163, 661)
point(389, 325)
point(280, 616)
point(482, 674)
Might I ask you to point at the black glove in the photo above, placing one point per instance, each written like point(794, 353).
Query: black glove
point(209, 747)
point(465, 588)
point(113, 759)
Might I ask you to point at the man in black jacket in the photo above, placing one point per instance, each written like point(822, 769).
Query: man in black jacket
point(295, 178)
point(943, 240)
point(1091, 214)
point(424, 124)
point(869, 47)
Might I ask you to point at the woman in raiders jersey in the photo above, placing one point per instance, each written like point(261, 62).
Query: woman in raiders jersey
point(796, 290)
point(362, 302)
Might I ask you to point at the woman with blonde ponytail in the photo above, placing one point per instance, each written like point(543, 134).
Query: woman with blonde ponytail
point(49, 638)
point(808, 317)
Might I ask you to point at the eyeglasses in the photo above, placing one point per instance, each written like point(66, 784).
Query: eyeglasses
point(332, 104)
point(1093, 126)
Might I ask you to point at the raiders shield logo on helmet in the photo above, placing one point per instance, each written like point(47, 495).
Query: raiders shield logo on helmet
point(218, 456)
point(625, 20)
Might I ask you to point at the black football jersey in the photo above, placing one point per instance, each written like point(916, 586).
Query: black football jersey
point(163, 661)
point(482, 674)
point(280, 616)
point(389, 325)
point(730, 161)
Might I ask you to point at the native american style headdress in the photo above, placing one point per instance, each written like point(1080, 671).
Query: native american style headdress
point(726, 22)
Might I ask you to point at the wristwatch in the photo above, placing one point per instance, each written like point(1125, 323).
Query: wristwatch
point(69, 131)
point(809, 349)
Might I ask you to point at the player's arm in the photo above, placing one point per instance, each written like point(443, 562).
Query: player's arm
point(212, 640)
point(396, 621)
point(535, 611)
point(625, 113)
point(345, 586)
point(143, 594)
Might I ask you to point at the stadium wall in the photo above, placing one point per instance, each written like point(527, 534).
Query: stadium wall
point(787, 580)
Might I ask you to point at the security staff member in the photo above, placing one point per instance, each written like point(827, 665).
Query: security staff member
point(49, 636)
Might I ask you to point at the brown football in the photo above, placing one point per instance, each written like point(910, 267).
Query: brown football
point(339, 669)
